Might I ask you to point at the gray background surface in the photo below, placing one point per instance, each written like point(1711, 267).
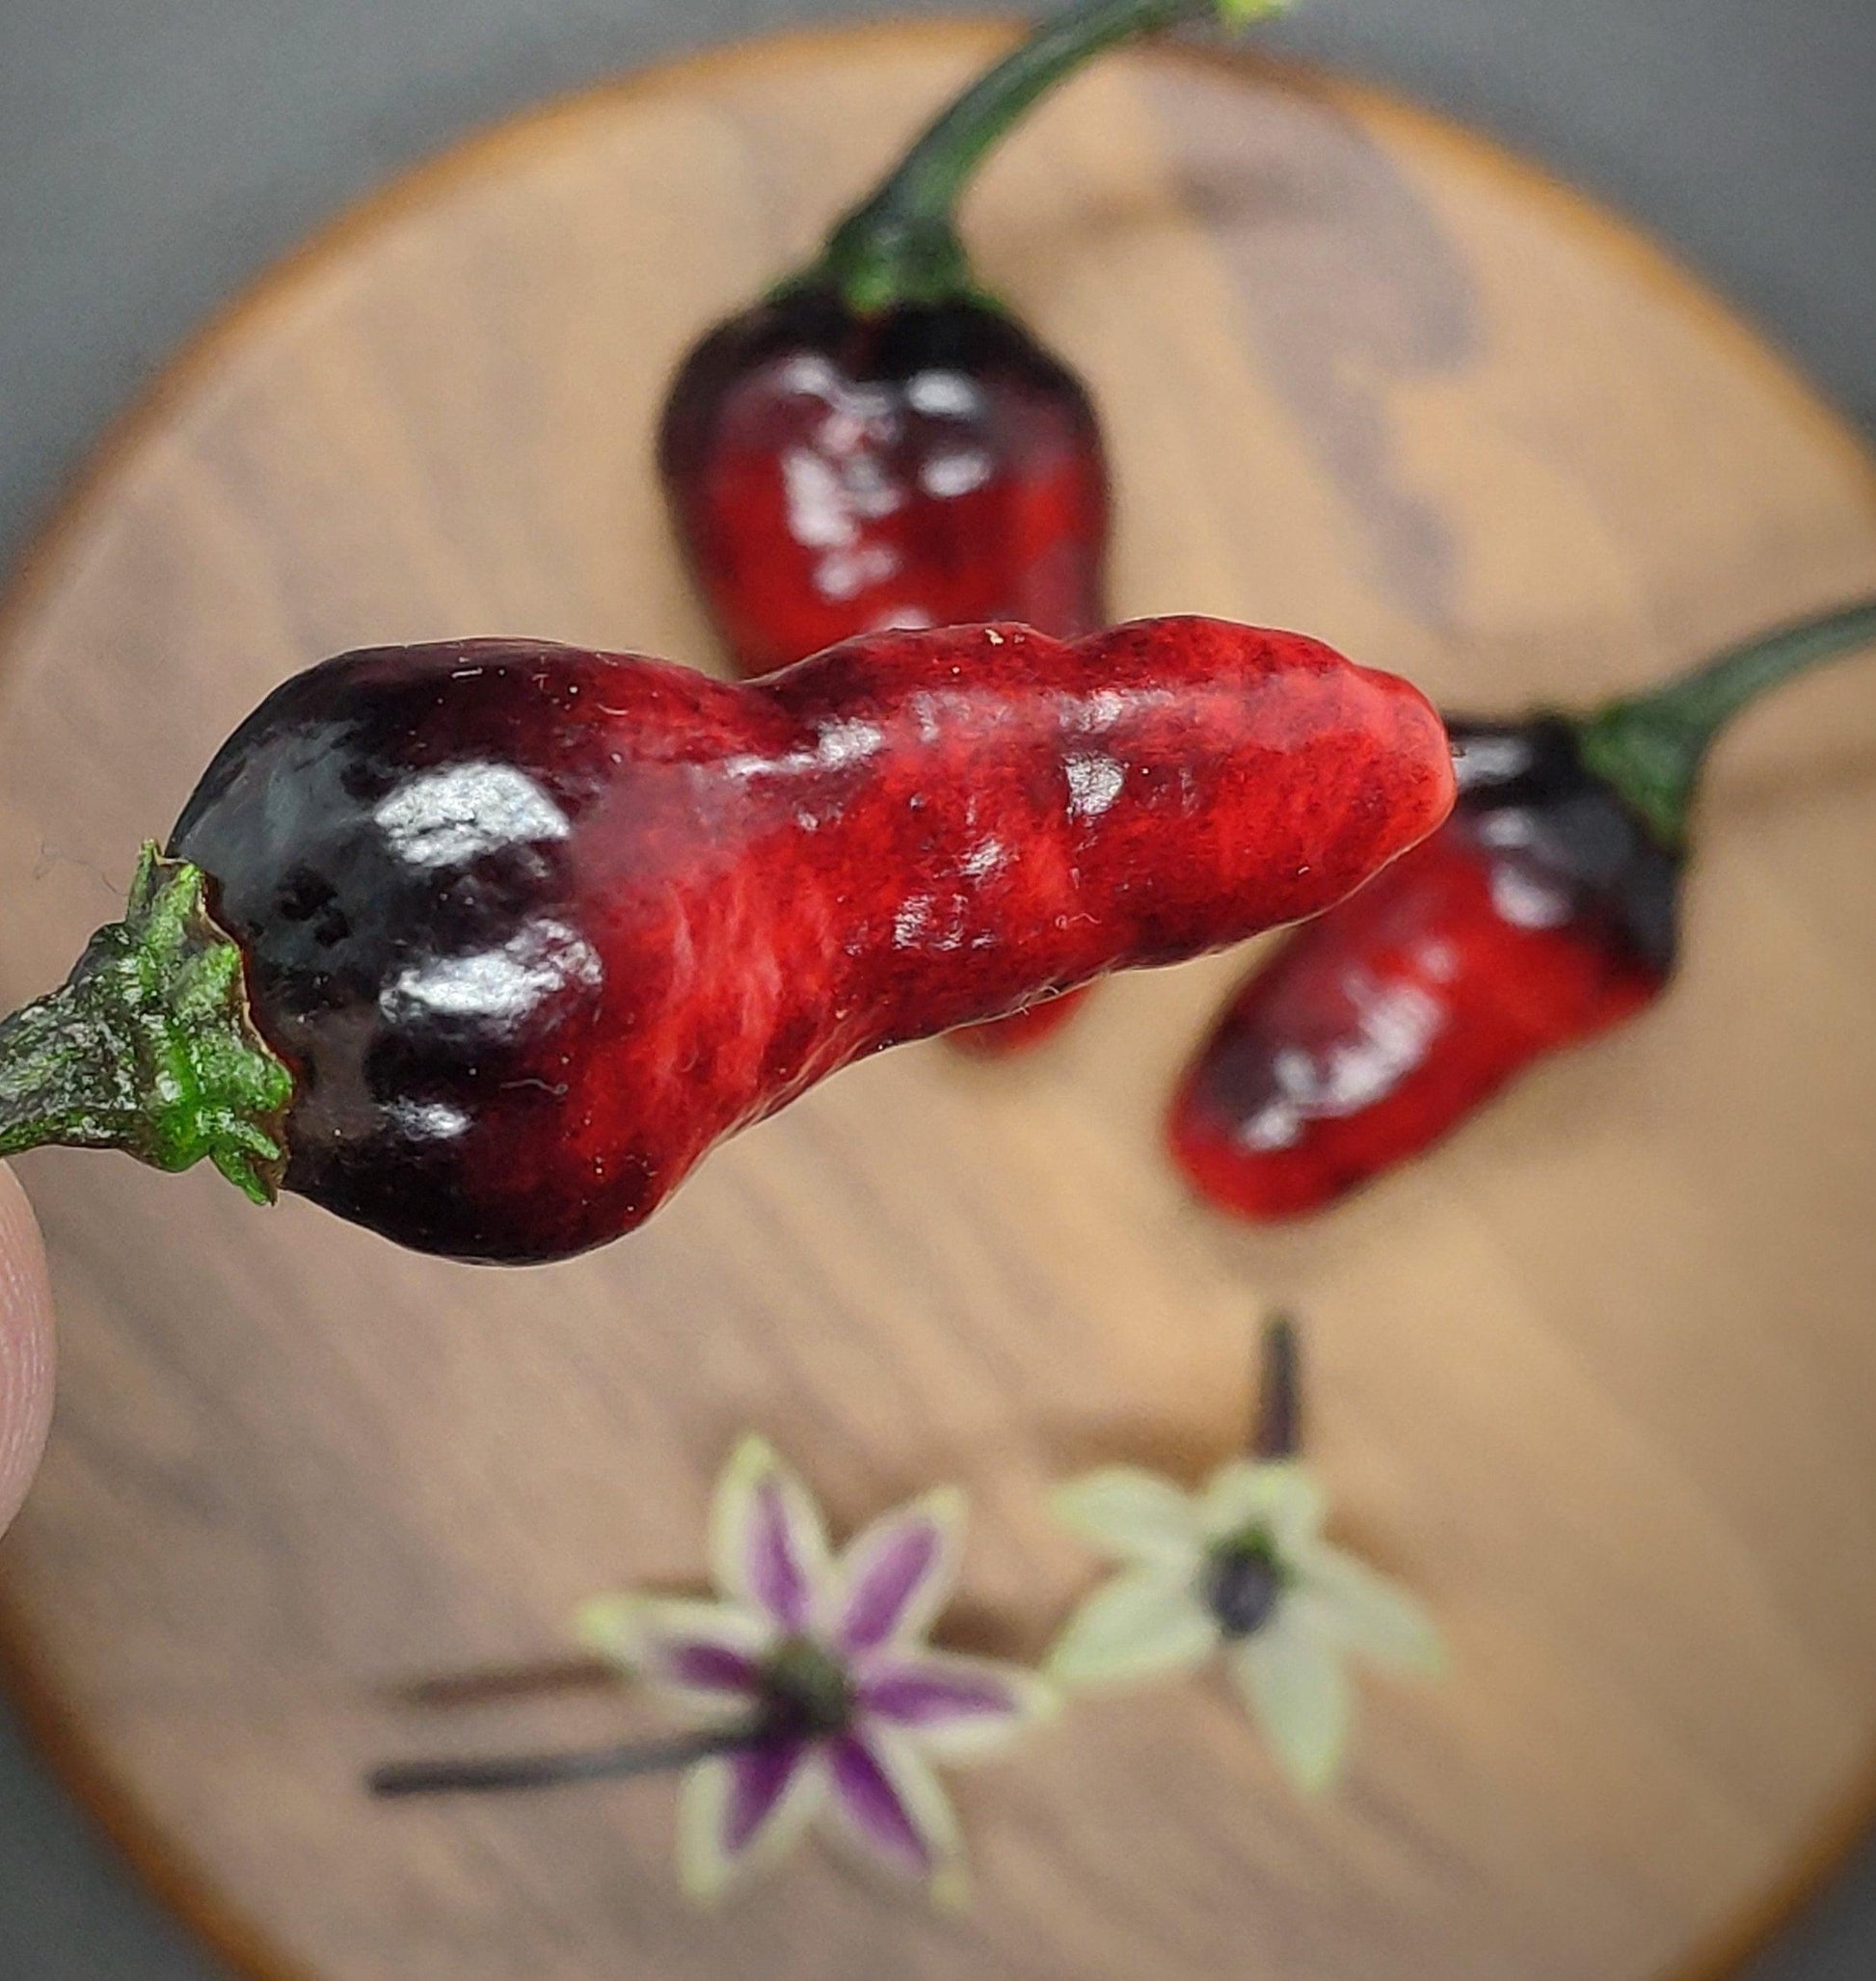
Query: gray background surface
point(156, 154)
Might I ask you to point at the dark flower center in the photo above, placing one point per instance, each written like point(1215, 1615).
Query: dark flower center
point(1241, 1582)
point(806, 1693)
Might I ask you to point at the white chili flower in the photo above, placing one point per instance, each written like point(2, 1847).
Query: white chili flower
point(823, 1657)
point(1240, 1568)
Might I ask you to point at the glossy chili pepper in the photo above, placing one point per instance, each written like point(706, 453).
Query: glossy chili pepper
point(484, 944)
point(1544, 912)
point(879, 444)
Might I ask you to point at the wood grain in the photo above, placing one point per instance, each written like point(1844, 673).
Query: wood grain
point(1599, 1379)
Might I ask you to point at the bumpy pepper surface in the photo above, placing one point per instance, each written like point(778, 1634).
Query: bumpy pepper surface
point(880, 444)
point(1542, 912)
point(530, 928)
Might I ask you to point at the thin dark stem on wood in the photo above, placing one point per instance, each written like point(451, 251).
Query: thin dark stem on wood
point(1280, 1402)
point(555, 1770)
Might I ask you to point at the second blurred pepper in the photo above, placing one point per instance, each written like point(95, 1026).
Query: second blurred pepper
point(1545, 911)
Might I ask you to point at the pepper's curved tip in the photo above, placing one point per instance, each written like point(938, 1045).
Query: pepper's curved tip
point(1206, 1145)
point(1422, 736)
point(999, 1037)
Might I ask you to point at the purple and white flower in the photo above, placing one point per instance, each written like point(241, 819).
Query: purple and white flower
point(823, 1657)
point(1239, 1568)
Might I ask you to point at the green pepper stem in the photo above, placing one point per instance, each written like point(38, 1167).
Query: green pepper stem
point(1649, 748)
point(550, 1771)
point(148, 1046)
point(899, 245)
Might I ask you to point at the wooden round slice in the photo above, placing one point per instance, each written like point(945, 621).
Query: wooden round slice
point(1597, 1378)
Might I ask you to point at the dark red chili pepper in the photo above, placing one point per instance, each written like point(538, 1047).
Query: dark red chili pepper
point(879, 444)
point(1544, 912)
point(484, 944)
point(835, 473)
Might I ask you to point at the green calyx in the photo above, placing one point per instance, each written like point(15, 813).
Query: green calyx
point(806, 1693)
point(150, 1047)
point(876, 262)
point(1649, 749)
point(899, 247)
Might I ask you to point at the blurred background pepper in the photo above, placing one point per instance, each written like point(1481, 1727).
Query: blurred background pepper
point(1544, 912)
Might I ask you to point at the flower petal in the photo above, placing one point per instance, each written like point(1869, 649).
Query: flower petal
point(1131, 1514)
point(955, 1707)
point(890, 1803)
point(707, 1650)
point(768, 1546)
point(894, 1576)
point(760, 1778)
point(1279, 1498)
point(1142, 1622)
point(1294, 1681)
point(738, 1813)
point(1364, 1611)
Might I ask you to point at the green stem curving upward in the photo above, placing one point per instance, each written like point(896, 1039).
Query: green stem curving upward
point(1649, 748)
point(899, 245)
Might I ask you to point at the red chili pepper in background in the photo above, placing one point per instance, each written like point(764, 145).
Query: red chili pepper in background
point(484, 944)
point(834, 473)
point(880, 444)
point(1545, 911)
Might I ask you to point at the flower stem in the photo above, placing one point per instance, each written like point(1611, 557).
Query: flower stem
point(899, 245)
point(453, 1689)
point(552, 1771)
point(1279, 1396)
point(1649, 748)
point(148, 1046)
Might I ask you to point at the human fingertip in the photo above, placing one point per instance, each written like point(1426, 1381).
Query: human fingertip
point(26, 1350)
